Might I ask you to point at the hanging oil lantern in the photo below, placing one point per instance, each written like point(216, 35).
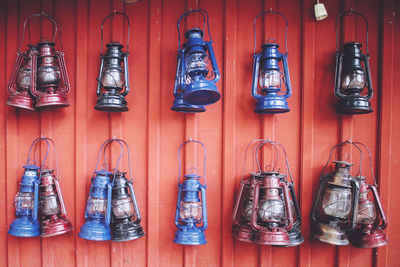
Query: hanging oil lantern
point(267, 75)
point(49, 79)
point(52, 211)
point(191, 209)
point(125, 219)
point(113, 81)
point(98, 206)
point(26, 201)
point(194, 85)
point(334, 212)
point(353, 84)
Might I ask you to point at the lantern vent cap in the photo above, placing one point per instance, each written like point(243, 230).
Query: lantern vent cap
point(194, 33)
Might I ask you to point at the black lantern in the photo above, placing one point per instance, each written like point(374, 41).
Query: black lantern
point(113, 81)
point(194, 87)
point(268, 77)
point(353, 84)
point(125, 216)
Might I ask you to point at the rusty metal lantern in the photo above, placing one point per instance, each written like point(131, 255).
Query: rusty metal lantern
point(353, 84)
point(113, 80)
point(264, 208)
point(334, 212)
point(371, 219)
point(49, 78)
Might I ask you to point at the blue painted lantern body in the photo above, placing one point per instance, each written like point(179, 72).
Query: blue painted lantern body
point(191, 79)
point(26, 205)
point(267, 80)
point(191, 213)
point(98, 208)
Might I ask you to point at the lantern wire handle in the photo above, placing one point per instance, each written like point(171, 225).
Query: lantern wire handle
point(120, 155)
point(203, 13)
point(129, 157)
point(370, 161)
point(33, 146)
point(45, 15)
point(245, 156)
point(257, 148)
point(179, 159)
point(254, 26)
point(102, 26)
point(286, 161)
point(347, 13)
point(339, 146)
point(54, 151)
point(104, 165)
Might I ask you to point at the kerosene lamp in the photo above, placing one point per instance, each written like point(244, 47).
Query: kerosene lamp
point(125, 219)
point(193, 84)
point(98, 207)
point(334, 212)
point(191, 209)
point(267, 75)
point(371, 219)
point(26, 201)
point(49, 79)
point(353, 84)
point(20, 81)
point(113, 80)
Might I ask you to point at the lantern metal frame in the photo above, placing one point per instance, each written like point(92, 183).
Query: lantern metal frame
point(333, 230)
point(272, 232)
point(127, 228)
point(271, 100)
point(190, 232)
point(56, 223)
point(355, 101)
point(191, 96)
point(113, 98)
point(96, 228)
point(51, 94)
point(369, 234)
point(26, 223)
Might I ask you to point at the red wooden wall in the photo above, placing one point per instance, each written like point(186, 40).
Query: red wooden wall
point(154, 132)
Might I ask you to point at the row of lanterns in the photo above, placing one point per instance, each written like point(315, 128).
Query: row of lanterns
point(39, 78)
point(266, 210)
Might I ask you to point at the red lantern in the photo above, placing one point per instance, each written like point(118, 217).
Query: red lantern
point(49, 81)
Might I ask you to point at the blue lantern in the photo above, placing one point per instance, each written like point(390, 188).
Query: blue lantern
point(26, 201)
point(191, 209)
point(194, 86)
point(267, 75)
point(98, 207)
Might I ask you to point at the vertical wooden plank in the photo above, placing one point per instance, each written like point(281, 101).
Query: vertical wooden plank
point(229, 130)
point(389, 130)
point(172, 132)
point(245, 118)
point(82, 170)
point(154, 136)
point(3, 159)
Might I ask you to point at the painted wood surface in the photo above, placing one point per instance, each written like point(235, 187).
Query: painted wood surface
point(154, 132)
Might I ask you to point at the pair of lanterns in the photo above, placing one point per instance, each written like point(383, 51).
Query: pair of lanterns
point(343, 211)
point(113, 80)
point(266, 211)
point(194, 84)
point(39, 78)
point(39, 198)
point(112, 211)
point(191, 209)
